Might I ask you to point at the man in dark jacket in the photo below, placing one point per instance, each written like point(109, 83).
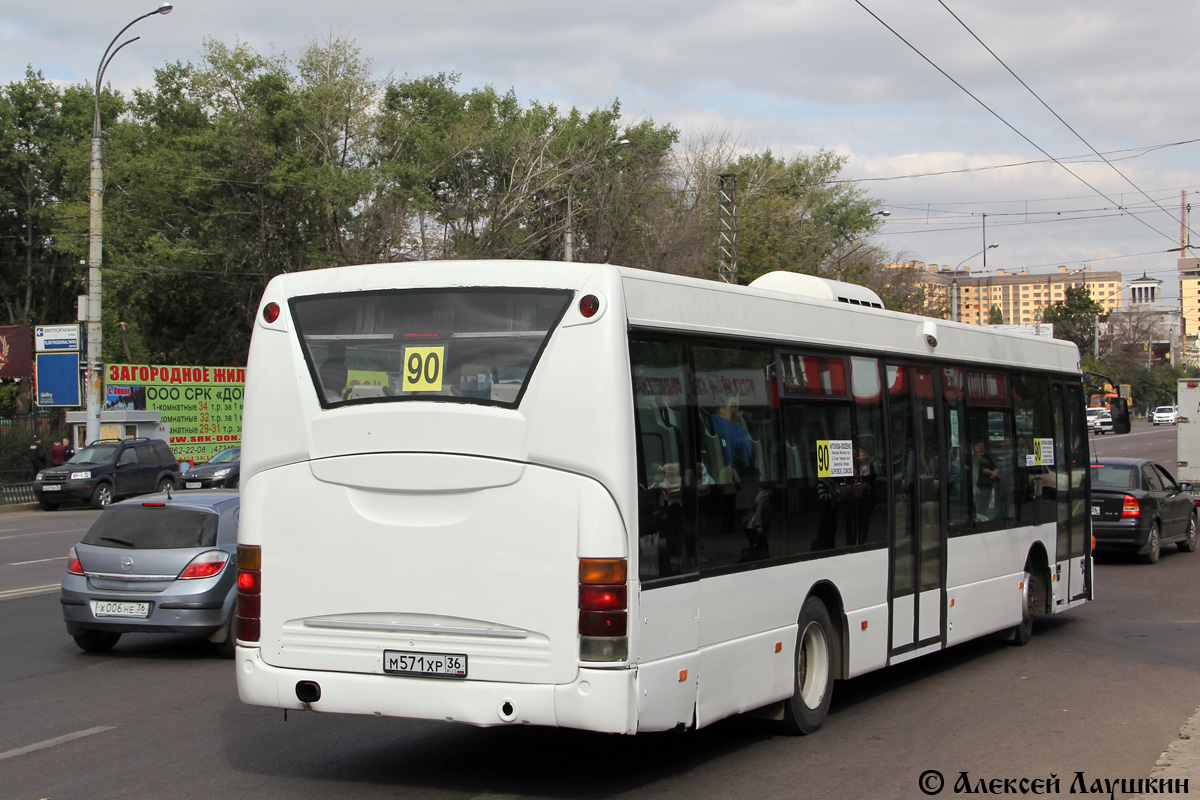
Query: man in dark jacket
point(37, 455)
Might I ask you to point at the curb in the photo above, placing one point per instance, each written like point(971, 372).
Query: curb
point(1181, 760)
point(12, 508)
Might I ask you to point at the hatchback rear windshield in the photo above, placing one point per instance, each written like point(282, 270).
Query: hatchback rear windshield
point(461, 345)
point(153, 528)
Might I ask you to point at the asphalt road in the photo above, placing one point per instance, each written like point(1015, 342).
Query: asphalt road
point(1101, 690)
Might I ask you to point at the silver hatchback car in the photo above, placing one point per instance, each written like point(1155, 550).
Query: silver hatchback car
point(157, 564)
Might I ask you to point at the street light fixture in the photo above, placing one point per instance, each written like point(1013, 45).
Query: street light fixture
point(954, 280)
point(991, 246)
point(95, 333)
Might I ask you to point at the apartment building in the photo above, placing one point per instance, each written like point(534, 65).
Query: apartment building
point(1020, 296)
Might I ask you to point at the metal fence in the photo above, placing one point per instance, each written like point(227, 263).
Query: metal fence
point(16, 493)
point(17, 433)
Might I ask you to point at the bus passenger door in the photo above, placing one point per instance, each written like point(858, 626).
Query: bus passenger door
point(1072, 571)
point(916, 551)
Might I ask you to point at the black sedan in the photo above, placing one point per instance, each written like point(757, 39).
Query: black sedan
point(222, 471)
point(1137, 505)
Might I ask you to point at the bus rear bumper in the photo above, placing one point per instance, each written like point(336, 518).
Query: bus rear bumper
point(602, 700)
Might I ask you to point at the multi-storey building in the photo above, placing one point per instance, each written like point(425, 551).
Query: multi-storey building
point(1020, 296)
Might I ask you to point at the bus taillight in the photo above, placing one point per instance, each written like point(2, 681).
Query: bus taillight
point(249, 584)
point(603, 609)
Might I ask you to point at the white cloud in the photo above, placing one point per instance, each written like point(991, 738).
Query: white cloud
point(790, 75)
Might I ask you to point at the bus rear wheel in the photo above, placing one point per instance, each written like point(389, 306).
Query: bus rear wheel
point(814, 670)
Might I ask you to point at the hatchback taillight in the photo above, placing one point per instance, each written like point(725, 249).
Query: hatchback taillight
point(249, 583)
point(603, 609)
point(205, 565)
point(73, 565)
point(1130, 507)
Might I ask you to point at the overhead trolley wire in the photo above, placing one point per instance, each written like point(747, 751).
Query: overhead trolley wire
point(1001, 119)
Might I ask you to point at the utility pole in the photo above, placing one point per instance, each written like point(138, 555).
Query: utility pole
point(727, 227)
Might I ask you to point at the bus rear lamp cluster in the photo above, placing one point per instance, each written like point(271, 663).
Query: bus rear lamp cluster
point(270, 312)
point(603, 609)
point(249, 596)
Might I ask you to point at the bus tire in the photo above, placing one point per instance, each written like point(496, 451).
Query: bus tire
point(1035, 585)
point(813, 670)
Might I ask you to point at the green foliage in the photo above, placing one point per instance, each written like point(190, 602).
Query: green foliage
point(1074, 317)
point(243, 166)
point(995, 316)
point(794, 216)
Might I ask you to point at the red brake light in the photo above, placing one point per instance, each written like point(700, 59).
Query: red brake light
point(602, 598)
point(205, 565)
point(249, 582)
point(271, 312)
point(1130, 507)
point(73, 565)
point(154, 505)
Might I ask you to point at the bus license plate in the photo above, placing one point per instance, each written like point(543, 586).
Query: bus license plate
point(114, 608)
point(434, 665)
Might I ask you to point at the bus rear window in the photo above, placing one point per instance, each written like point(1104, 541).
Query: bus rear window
point(460, 345)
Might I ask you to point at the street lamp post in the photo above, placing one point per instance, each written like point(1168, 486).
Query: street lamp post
point(954, 279)
point(95, 333)
point(569, 234)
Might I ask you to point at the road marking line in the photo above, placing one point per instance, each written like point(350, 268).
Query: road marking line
point(30, 591)
point(37, 561)
point(20, 751)
point(42, 533)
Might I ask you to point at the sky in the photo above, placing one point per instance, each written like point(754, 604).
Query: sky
point(972, 122)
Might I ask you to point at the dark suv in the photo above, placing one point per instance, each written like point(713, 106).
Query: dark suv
point(108, 469)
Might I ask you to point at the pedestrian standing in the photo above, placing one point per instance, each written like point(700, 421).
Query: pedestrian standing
point(58, 453)
point(37, 455)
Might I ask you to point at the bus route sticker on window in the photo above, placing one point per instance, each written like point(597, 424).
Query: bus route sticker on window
point(835, 458)
point(423, 369)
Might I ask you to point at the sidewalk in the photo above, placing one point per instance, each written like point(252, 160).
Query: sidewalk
point(1181, 760)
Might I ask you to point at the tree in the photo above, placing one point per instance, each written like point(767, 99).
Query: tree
point(995, 316)
point(1074, 317)
point(796, 216)
point(37, 228)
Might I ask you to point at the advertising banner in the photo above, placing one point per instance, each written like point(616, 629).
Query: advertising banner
point(203, 405)
point(16, 355)
point(58, 380)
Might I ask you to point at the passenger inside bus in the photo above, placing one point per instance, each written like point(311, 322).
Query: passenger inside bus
point(333, 373)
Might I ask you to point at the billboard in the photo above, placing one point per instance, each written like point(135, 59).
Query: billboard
point(58, 380)
point(16, 358)
point(203, 405)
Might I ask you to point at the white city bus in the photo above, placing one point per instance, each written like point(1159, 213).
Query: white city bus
point(602, 498)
